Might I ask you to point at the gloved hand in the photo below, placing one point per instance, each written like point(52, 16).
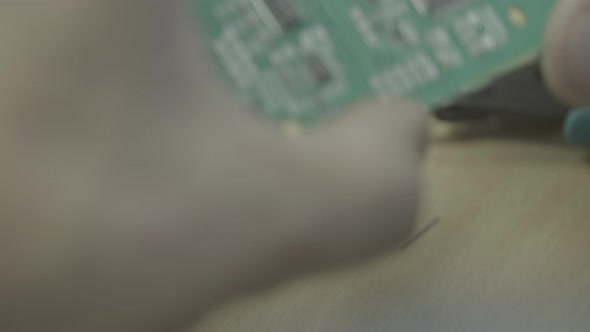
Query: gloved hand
point(135, 191)
point(567, 64)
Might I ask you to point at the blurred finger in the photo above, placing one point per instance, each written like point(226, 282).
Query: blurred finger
point(566, 60)
point(367, 166)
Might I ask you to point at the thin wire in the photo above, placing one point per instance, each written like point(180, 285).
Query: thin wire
point(420, 234)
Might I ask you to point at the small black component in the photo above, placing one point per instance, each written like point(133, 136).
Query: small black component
point(285, 13)
point(319, 70)
point(437, 6)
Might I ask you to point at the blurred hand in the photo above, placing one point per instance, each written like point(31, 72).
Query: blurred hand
point(135, 190)
point(566, 64)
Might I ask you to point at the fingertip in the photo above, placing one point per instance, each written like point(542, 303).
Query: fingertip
point(566, 58)
point(398, 111)
point(411, 119)
point(397, 122)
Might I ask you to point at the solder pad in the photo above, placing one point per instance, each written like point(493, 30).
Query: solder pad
point(303, 59)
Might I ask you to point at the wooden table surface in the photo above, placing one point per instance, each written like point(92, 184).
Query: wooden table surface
point(511, 253)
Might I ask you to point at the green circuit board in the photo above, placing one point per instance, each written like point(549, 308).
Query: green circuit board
point(304, 59)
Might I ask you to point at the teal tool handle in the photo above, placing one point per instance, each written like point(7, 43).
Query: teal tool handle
point(577, 127)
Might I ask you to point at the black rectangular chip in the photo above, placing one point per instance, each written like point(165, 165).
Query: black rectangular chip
point(319, 70)
point(285, 13)
point(436, 6)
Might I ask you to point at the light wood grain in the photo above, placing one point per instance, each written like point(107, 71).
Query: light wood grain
point(512, 251)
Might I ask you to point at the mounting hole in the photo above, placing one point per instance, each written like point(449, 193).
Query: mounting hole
point(517, 16)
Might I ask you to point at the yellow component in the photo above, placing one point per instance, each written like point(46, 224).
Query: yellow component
point(517, 16)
